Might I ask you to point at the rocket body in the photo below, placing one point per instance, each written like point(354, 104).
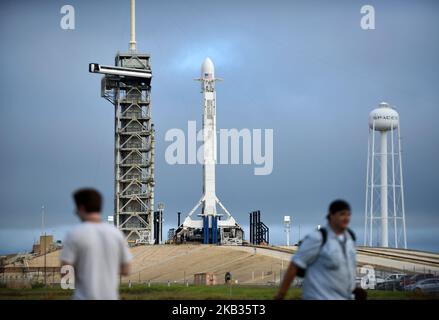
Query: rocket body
point(209, 138)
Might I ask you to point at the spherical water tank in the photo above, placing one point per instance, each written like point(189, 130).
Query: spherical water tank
point(383, 118)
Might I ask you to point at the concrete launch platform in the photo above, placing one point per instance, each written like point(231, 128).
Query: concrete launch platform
point(248, 265)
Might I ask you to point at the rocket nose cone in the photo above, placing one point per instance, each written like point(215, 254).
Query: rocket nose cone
point(207, 69)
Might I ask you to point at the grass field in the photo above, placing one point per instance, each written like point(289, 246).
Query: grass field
point(181, 292)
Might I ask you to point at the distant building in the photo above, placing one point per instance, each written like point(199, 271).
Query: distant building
point(205, 278)
point(46, 244)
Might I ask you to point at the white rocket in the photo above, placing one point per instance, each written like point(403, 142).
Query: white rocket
point(209, 136)
point(209, 200)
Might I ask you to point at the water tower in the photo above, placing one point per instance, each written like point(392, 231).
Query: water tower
point(384, 210)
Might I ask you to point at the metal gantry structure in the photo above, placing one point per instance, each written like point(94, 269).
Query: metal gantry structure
point(127, 86)
point(259, 232)
point(134, 149)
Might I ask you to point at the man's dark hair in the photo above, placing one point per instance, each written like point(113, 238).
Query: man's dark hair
point(89, 198)
point(337, 206)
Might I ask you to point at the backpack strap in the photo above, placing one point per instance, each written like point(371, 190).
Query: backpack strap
point(324, 233)
point(352, 234)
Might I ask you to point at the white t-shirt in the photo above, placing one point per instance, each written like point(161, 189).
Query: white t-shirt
point(96, 251)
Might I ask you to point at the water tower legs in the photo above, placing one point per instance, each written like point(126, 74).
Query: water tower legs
point(384, 198)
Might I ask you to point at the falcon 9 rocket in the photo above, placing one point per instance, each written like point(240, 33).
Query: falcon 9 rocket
point(211, 222)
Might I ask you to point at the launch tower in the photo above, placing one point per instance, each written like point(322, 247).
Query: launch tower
point(127, 85)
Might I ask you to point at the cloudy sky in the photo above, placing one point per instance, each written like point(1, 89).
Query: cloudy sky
point(305, 69)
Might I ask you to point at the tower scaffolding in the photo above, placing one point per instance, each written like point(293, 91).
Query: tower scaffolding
point(127, 86)
point(134, 143)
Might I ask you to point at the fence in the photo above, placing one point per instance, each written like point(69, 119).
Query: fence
point(371, 276)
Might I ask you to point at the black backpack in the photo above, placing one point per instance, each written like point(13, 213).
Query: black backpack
point(300, 271)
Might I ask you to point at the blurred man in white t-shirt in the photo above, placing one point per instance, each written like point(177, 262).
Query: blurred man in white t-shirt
point(97, 251)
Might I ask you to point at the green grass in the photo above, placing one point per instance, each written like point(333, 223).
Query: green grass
point(181, 292)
